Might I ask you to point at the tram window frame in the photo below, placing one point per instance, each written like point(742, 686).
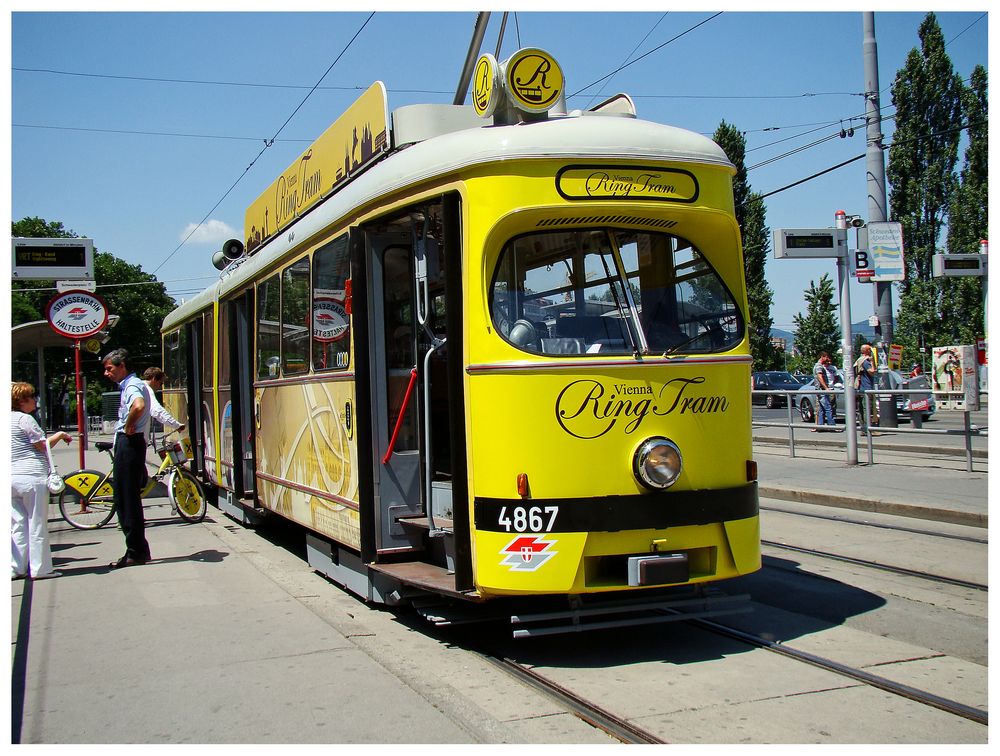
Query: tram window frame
point(223, 351)
point(171, 363)
point(268, 312)
point(296, 320)
point(595, 257)
point(330, 273)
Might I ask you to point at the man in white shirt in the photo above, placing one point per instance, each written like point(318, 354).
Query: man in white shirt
point(129, 456)
point(154, 378)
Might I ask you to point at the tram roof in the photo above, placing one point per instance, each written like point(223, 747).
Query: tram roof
point(571, 137)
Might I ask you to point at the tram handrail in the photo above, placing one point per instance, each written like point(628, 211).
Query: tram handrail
point(402, 414)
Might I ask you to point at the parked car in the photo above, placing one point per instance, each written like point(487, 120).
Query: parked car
point(777, 380)
point(924, 403)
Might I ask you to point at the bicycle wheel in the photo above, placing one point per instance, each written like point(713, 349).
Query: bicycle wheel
point(186, 494)
point(88, 500)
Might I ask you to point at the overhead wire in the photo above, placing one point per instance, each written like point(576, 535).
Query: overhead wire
point(884, 147)
point(646, 54)
point(153, 133)
point(267, 143)
point(211, 82)
point(627, 57)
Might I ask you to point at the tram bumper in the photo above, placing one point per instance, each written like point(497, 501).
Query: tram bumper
point(616, 542)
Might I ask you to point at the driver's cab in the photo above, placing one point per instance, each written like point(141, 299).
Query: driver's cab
point(611, 292)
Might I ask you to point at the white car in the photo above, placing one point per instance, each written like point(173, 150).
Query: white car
point(925, 404)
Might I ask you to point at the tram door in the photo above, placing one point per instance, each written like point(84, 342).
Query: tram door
point(196, 428)
point(393, 355)
point(241, 417)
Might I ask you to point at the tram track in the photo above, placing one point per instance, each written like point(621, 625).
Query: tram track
point(869, 524)
point(616, 726)
point(878, 566)
point(927, 698)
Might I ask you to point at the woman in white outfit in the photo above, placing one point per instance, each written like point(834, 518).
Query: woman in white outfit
point(29, 511)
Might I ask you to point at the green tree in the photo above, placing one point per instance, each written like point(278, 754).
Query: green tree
point(751, 215)
point(927, 94)
point(819, 329)
point(968, 215)
point(140, 301)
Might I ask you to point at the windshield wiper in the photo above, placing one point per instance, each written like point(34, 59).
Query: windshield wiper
point(676, 347)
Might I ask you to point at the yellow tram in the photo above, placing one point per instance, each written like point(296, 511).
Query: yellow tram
point(485, 353)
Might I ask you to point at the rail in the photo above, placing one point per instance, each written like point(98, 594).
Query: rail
point(968, 431)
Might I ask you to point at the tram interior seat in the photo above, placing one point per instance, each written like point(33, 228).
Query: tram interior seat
point(563, 345)
point(591, 328)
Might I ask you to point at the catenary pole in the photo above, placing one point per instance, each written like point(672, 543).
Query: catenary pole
point(847, 346)
point(875, 162)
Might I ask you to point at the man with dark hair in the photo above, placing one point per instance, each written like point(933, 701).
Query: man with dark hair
point(825, 375)
point(129, 456)
point(153, 377)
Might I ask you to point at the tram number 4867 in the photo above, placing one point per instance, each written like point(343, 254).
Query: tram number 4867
point(528, 519)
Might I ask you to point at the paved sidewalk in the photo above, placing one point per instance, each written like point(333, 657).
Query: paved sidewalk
point(226, 638)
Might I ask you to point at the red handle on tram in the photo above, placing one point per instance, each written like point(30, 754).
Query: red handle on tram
point(402, 412)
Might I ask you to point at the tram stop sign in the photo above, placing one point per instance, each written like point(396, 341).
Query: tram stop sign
point(77, 314)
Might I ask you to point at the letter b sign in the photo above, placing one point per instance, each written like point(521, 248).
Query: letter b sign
point(862, 264)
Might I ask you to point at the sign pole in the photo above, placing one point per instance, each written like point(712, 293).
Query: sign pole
point(77, 314)
point(79, 404)
point(847, 347)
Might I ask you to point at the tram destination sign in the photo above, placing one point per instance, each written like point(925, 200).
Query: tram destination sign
point(49, 259)
point(809, 242)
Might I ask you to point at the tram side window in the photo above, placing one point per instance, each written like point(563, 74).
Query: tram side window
point(268, 321)
point(295, 318)
point(181, 380)
point(207, 331)
point(605, 291)
point(224, 354)
point(331, 325)
point(170, 359)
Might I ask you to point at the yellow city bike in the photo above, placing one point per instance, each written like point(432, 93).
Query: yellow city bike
point(88, 500)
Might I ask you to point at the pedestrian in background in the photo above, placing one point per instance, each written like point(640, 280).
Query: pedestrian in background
point(825, 374)
point(29, 510)
point(864, 380)
point(154, 377)
point(129, 456)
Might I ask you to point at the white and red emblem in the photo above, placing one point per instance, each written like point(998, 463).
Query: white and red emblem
point(527, 553)
point(76, 314)
point(330, 319)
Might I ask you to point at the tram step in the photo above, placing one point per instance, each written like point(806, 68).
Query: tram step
point(440, 542)
point(429, 577)
point(424, 523)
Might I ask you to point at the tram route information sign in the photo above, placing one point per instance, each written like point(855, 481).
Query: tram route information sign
point(45, 259)
point(77, 314)
point(809, 242)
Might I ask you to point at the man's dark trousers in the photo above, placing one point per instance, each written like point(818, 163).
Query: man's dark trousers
point(129, 474)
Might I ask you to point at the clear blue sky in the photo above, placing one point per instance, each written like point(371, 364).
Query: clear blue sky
point(118, 154)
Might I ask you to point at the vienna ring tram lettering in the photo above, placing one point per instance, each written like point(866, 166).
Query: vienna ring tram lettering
point(586, 410)
point(582, 182)
point(417, 273)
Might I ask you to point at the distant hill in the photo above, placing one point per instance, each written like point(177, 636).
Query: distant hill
point(860, 327)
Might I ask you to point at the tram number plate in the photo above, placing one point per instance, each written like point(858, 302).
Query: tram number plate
point(527, 519)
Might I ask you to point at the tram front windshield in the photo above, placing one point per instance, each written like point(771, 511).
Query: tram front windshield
point(611, 291)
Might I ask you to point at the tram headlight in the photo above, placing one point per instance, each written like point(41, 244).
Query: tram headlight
point(657, 463)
